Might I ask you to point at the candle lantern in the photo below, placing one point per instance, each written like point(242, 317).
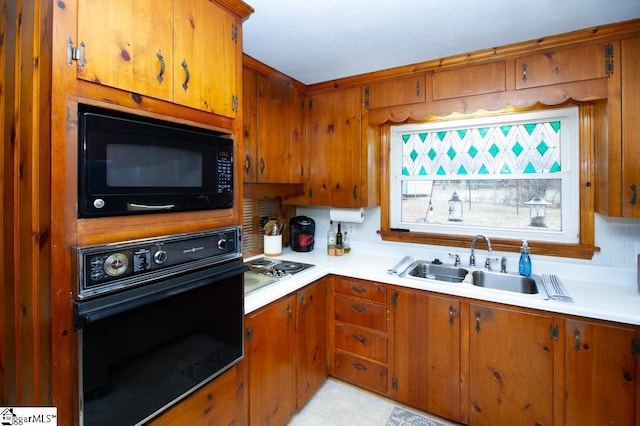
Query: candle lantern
point(455, 208)
point(537, 211)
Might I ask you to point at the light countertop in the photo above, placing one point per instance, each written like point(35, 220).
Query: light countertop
point(612, 301)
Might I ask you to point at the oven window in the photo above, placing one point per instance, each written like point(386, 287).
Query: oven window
point(136, 363)
point(140, 166)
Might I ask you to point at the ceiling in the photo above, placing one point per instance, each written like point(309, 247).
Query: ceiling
point(314, 41)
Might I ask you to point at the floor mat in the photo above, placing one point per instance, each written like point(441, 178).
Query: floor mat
point(402, 417)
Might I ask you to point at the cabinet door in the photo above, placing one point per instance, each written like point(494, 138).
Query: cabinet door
point(427, 357)
point(312, 340)
point(128, 45)
point(249, 125)
point(335, 149)
point(511, 365)
point(271, 346)
point(402, 91)
point(630, 127)
point(561, 66)
point(218, 402)
point(600, 374)
point(280, 131)
point(469, 80)
point(205, 48)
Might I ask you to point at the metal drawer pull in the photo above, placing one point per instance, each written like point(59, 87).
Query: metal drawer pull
point(360, 290)
point(160, 75)
point(187, 76)
point(359, 308)
point(360, 339)
point(358, 366)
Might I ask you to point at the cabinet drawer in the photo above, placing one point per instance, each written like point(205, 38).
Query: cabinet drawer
point(361, 342)
point(366, 290)
point(363, 373)
point(402, 91)
point(358, 312)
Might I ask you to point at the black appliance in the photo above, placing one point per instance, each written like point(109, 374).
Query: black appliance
point(302, 231)
point(130, 164)
point(156, 319)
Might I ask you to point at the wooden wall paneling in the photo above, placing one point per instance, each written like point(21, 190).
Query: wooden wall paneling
point(63, 201)
point(7, 285)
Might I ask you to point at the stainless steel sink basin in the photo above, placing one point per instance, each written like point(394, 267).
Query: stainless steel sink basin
point(428, 270)
point(508, 282)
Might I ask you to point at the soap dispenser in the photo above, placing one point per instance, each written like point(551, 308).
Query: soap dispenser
point(525, 260)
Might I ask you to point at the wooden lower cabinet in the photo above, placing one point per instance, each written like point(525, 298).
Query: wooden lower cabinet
point(286, 347)
point(426, 372)
point(311, 366)
point(601, 374)
point(511, 366)
point(218, 402)
point(359, 327)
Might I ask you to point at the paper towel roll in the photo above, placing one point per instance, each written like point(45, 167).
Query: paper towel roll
point(347, 215)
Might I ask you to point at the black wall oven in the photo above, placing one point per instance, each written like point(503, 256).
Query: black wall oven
point(130, 164)
point(156, 319)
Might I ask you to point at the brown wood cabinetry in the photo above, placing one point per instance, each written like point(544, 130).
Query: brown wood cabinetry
point(359, 320)
point(335, 151)
point(617, 149)
point(311, 368)
point(273, 124)
point(271, 351)
point(511, 366)
point(470, 80)
point(427, 337)
point(401, 91)
point(343, 157)
point(286, 349)
point(601, 373)
point(218, 402)
point(184, 52)
point(562, 66)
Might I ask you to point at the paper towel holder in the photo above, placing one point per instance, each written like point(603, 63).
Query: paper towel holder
point(347, 215)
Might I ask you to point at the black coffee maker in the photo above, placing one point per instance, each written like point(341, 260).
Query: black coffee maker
point(302, 231)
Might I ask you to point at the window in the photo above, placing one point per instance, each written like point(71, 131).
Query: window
point(510, 176)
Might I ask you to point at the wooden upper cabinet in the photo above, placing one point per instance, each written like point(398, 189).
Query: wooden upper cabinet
point(179, 51)
point(562, 66)
point(128, 44)
point(206, 42)
point(617, 145)
point(335, 149)
point(273, 129)
point(601, 373)
point(470, 80)
point(402, 91)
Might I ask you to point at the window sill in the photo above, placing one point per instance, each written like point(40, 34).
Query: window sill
point(576, 251)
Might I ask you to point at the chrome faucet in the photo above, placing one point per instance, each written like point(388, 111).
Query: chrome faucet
point(472, 258)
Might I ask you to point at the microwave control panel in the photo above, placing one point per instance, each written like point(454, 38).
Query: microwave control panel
point(225, 170)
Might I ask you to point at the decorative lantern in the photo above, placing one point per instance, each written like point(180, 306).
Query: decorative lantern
point(537, 211)
point(455, 208)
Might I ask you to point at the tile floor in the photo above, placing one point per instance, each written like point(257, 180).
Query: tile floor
point(340, 404)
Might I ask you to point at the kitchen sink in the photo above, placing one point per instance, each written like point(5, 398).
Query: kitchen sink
point(508, 282)
point(435, 271)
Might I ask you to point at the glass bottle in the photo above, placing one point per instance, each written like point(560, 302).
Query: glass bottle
point(346, 242)
point(331, 239)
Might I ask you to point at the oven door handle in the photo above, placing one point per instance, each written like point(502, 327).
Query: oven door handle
point(86, 312)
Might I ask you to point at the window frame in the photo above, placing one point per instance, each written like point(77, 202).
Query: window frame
point(569, 174)
point(591, 124)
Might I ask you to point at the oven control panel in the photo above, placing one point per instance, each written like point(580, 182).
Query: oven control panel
point(112, 267)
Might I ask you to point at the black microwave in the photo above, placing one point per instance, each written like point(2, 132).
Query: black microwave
point(130, 164)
